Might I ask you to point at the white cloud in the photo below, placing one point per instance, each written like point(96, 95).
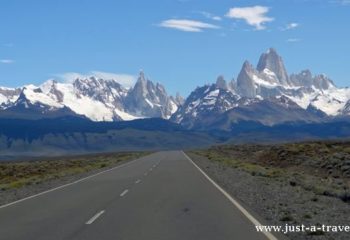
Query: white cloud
point(6, 61)
point(254, 16)
point(290, 26)
point(293, 40)
point(210, 16)
point(126, 80)
point(187, 25)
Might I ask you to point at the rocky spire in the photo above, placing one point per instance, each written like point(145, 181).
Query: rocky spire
point(245, 82)
point(273, 62)
point(221, 83)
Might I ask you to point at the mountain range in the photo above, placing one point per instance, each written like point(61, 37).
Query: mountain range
point(264, 103)
point(266, 94)
point(93, 98)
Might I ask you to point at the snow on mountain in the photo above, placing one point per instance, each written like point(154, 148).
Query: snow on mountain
point(8, 95)
point(176, 101)
point(206, 102)
point(310, 97)
point(330, 101)
point(82, 103)
point(35, 95)
point(3, 99)
point(32, 103)
point(270, 79)
point(97, 99)
point(272, 64)
point(268, 86)
point(346, 108)
point(149, 99)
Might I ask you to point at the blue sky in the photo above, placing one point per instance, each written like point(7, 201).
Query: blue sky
point(179, 43)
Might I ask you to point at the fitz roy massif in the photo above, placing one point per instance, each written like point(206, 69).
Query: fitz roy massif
point(266, 94)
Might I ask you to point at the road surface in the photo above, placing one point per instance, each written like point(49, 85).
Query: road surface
point(161, 196)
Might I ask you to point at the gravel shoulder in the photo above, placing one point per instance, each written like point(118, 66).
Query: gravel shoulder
point(284, 193)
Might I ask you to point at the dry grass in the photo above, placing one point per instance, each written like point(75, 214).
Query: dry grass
point(19, 174)
point(320, 167)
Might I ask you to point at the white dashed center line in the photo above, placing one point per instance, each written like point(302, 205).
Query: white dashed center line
point(93, 219)
point(137, 181)
point(124, 192)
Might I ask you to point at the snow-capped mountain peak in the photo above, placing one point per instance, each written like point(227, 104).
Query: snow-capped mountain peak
point(34, 95)
point(149, 99)
point(271, 62)
point(8, 95)
point(95, 98)
point(307, 80)
point(298, 97)
point(301, 96)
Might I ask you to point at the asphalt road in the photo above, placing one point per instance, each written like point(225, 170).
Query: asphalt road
point(161, 196)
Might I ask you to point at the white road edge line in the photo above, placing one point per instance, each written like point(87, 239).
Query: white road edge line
point(232, 200)
point(93, 219)
point(124, 192)
point(69, 184)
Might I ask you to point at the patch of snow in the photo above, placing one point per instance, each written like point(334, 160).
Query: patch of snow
point(214, 93)
point(149, 103)
point(125, 116)
point(330, 101)
point(39, 97)
point(83, 105)
point(210, 101)
point(206, 90)
point(195, 103)
point(264, 83)
point(259, 97)
point(303, 101)
point(268, 72)
point(3, 99)
point(46, 86)
point(174, 107)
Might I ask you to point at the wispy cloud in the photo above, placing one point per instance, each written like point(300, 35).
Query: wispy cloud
point(187, 25)
point(293, 40)
point(341, 2)
point(6, 61)
point(290, 26)
point(255, 16)
point(210, 16)
point(126, 80)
